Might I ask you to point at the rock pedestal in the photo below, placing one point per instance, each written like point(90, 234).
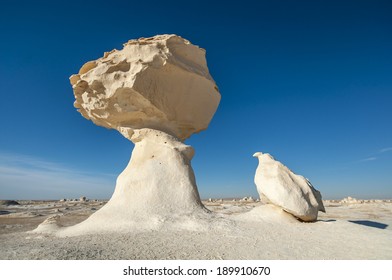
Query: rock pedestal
point(157, 186)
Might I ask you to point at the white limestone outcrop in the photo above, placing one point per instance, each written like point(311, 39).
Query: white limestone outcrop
point(160, 82)
point(278, 185)
point(156, 92)
point(49, 225)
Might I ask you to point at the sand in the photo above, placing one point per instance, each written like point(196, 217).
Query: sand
point(346, 231)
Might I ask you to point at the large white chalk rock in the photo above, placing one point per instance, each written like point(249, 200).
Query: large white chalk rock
point(158, 186)
point(156, 92)
point(278, 185)
point(160, 82)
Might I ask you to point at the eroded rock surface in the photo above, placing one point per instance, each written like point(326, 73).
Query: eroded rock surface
point(161, 83)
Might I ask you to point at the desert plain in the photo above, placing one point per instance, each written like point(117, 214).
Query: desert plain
point(350, 229)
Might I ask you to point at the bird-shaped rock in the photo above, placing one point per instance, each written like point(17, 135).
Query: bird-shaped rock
point(278, 185)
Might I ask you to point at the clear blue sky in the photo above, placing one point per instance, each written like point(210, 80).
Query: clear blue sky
point(309, 82)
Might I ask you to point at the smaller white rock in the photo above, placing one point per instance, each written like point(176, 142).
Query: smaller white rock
point(50, 225)
point(278, 185)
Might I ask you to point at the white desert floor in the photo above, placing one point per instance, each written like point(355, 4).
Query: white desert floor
point(346, 231)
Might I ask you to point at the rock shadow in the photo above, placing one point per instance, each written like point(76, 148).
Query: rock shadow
point(327, 221)
point(370, 224)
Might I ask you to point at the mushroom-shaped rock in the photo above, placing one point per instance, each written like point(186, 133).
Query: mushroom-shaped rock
point(278, 185)
point(161, 83)
point(156, 92)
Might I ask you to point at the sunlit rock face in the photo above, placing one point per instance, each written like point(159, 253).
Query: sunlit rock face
point(160, 82)
point(278, 185)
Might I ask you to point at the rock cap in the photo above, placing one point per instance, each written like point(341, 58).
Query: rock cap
point(161, 83)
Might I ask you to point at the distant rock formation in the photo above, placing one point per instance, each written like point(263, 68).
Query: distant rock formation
point(247, 199)
point(9, 202)
point(156, 92)
point(278, 185)
point(351, 200)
